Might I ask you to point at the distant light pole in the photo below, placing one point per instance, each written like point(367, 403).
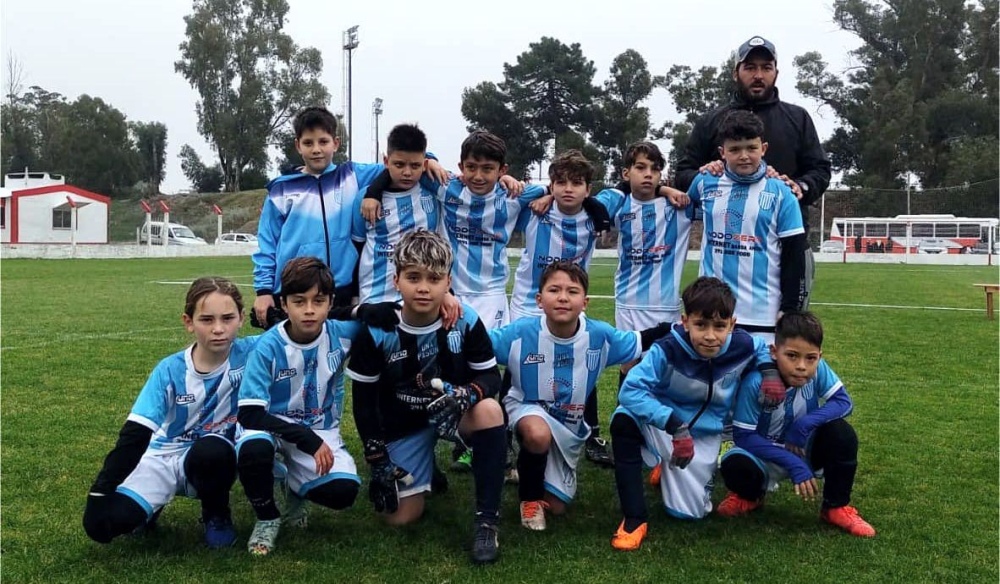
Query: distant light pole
point(376, 112)
point(350, 43)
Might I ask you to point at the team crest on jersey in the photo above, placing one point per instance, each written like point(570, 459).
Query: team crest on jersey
point(589, 224)
point(285, 374)
point(766, 200)
point(427, 203)
point(235, 377)
point(397, 356)
point(455, 342)
point(593, 359)
point(499, 202)
point(185, 399)
point(807, 391)
point(733, 220)
point(534, 359)
point(334, 359)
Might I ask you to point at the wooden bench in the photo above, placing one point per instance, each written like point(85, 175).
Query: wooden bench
point(989, 289)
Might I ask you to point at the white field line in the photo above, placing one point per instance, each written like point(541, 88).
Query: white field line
point(72, 338)
point(847, 305)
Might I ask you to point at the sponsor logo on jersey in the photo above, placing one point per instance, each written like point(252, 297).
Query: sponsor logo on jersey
point(397, 356)
point(235, 377)
point(714, 194)
point(455, 342)
point(451, 200)
point(428, 350)
point(334, 359)
point(184, 399)
point(628, 217)
point(593, 359)
point(534, 359)
point(285, 374)
point(733, 220)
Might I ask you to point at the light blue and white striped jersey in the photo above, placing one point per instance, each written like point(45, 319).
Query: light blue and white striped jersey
point(744, 222)
point(558, 374)
point(181, 405)
point(548, 238)
point(479, 228)
point(301, 384)
point(305, 215)
point(401, 213)
point(652, 248)
point(774, 423)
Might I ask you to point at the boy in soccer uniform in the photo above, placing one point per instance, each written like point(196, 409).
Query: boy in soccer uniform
point(753, 239)
point(309, 214)
point(406, 205)
point(291, 401)
point(178, 438)
point(565, 231)
point(798, 437)
point(422, 382)
point(555, 361)
point(673, 405)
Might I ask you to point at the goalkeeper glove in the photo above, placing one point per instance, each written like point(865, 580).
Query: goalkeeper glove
point(683, 450)
point(383, 491)
point(381, 315)
point(772, 388)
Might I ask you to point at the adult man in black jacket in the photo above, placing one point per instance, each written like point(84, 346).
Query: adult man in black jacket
point(794, 150)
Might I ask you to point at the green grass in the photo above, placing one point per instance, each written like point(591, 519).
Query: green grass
point(80, 337)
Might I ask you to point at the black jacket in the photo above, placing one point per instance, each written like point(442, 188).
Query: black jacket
point(793, 146)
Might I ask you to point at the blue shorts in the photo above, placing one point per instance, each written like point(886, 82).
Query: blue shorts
point(415, 455)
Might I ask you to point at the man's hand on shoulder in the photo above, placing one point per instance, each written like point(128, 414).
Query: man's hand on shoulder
point(714, 168)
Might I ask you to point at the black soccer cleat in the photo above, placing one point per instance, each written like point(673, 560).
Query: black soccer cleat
point(485, 547)
point(598, 452)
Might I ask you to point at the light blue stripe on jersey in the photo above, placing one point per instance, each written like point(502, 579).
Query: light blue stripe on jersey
point(401, 212)
point(479, 228)
point(799, 402)
point(302, 384)
point(743, 226)
point(559, 373)
point(548, 238)
point(181, 405)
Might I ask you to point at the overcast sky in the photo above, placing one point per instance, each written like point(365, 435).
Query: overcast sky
point(416, 56)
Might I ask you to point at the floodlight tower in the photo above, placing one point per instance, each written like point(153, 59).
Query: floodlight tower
point(350, 43)
point(376, 112)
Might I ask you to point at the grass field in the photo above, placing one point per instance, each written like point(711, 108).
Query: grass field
point(80, 337)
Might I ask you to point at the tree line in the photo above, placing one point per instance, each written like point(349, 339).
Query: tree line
point(920, 103)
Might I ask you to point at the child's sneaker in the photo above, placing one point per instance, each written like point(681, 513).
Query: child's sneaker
point(463, 461)
point(847, 518)
point(219, 532)
point(264, 537)
point(296, 511)
point(598, 452)
point(629, 540)
point(485, 545)
point(654, 475)
point(533, 515)
point(734, 506)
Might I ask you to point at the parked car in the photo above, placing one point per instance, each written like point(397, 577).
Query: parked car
point(831, 246)
point(983, 248)
point(932, 245)
point(236, 239)
point(177, 234)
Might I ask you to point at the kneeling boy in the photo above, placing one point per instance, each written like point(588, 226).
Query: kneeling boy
point(798, 436)
point(422, 382)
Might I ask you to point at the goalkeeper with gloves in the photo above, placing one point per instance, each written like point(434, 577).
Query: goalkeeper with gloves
point(673, 405)
point(422, 382)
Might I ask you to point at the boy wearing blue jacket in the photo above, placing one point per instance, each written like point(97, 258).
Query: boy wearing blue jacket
point(673, 405)
point(798, 436)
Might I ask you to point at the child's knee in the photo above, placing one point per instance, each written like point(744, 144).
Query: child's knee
point(487, 414)
point(254, 454)
point(556, 505)
point(623, 426)
point(410, 510)
point(534, 434)
point(335, 494)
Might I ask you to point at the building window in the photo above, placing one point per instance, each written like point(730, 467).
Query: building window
point(62, 218)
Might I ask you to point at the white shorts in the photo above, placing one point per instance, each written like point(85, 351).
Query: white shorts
point(301, 467)
point(687, 492)
point(639, 319)
point(560, 467)
point(518, 312)
point(766, 337)
point(492, 309)
point(158, 478)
